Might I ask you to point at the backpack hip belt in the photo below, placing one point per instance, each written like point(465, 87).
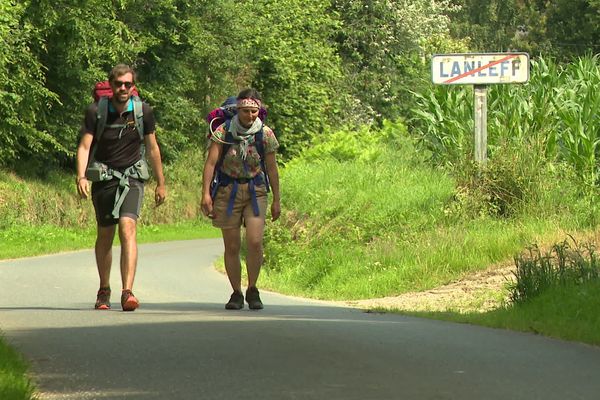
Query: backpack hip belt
point(224, 180)
point(124, 185)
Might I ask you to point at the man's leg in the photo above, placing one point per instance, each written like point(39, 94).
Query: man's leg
point(127, 235)
point(103, 250)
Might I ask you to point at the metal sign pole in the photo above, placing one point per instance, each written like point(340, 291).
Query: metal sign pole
point(480, 70)
point(480, 104)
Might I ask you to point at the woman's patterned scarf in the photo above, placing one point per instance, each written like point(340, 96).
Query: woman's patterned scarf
point(245, 136)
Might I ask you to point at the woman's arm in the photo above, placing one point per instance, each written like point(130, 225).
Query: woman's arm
point(273, 174)
point(214, 153)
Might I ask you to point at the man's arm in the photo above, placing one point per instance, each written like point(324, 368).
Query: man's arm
point(160, 193)
point(83, 154)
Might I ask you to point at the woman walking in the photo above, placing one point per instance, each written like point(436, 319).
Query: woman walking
point(240, 167)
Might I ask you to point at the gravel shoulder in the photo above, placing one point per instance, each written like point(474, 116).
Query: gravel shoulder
point(479, 292)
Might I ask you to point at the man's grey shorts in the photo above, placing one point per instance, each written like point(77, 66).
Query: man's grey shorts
point(103, 197)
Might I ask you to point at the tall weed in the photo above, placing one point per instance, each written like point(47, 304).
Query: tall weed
point(564, 264)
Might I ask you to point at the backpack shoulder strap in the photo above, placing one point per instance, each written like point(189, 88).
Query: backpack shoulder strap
point(101, 116)
point(260, 146)
point(138, 115)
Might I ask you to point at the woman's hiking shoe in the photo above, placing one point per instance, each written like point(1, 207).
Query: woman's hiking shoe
point(103, 299)
point(253, 298)
point(128, 300)
point(236, 301)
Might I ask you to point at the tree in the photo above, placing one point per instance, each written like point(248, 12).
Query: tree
point(23, 95)
point(564, 28)
point(489, 26)
point(383, 45)
point(559, 28)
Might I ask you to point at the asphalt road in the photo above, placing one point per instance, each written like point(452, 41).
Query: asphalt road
point(183, 344)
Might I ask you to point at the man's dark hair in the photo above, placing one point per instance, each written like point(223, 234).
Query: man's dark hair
point(120, 70)
point(249, 93)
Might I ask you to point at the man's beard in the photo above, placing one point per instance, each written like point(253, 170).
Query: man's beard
point(121, 97)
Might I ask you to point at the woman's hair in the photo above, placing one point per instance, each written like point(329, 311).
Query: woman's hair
point(249, 93)
point(120, 70)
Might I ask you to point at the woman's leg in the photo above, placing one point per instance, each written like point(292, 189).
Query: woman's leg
point(255, 227)
point(232, 243)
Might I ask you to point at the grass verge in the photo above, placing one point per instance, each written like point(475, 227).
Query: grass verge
point(14, 383)
point(29, 241)
point(567, 312)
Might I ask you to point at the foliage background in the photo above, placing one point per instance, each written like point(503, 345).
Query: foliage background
point(334, 74)
point(317, 63)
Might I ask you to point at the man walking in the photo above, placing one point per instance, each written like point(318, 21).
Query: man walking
point(115, 135)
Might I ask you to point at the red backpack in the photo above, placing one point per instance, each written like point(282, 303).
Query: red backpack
point(103, 89)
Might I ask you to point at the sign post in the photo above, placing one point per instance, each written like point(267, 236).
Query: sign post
point(480, 106)
point(480, 70)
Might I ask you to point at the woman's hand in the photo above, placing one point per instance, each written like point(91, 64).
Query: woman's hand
point(207, 206)
point(275, 210)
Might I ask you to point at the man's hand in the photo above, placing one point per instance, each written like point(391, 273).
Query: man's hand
point(160, 194)
point(83, 187)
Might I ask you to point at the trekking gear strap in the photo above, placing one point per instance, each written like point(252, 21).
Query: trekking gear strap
point(101, 116)
point(138, 115)
point(252, 190)
point(234, 190)
point(123, 188)
point(224, 180)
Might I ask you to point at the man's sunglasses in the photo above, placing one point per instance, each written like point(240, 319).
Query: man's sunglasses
point(128, 85)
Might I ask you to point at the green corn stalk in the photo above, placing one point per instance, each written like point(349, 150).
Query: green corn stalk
point(442, 120)
point(558, 109)
point(578, 107)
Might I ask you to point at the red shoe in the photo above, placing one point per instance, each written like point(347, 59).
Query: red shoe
point(103, 299)
point(128, 301)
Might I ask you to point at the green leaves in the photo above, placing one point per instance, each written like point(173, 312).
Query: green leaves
point(23, 95)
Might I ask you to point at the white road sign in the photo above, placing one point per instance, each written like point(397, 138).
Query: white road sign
point(480, 68)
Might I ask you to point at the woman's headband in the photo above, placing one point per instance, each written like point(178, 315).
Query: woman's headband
point(248, 103)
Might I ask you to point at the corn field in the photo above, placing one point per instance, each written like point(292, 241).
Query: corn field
point(558, 109)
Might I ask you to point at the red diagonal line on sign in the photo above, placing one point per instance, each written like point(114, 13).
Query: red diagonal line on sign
point(474, 71)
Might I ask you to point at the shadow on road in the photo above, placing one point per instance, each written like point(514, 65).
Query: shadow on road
point(193, 350)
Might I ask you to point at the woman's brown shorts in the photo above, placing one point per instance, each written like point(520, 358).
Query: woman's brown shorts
point(242, 205)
